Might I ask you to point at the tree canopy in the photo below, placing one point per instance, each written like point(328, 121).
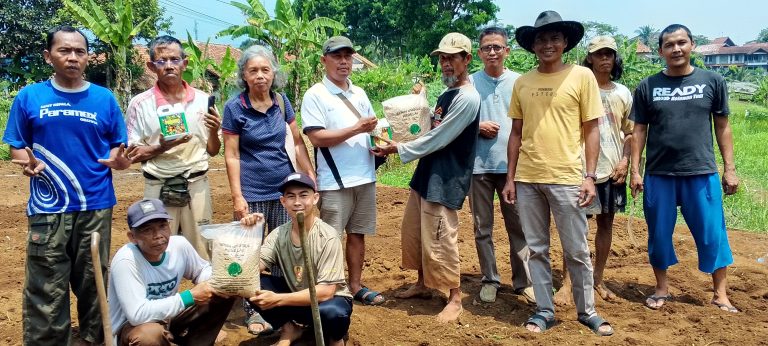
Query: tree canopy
point(763, 36)
point(647, 34)
point(401, 27)
point(23, 24)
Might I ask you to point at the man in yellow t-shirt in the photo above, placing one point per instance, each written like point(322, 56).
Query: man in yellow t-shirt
point(554, 110)
point(612, 163)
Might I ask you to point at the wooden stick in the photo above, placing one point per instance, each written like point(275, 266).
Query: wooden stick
point(310, 272)
point(100, 288)
point(632, 207)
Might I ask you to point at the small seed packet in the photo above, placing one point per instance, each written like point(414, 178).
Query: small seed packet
point(173, 121)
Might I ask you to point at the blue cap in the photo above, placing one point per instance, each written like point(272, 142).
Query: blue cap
point(297, 179)
point(146, 210)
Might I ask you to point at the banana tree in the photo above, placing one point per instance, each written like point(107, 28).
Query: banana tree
point(117, 33)
point(295, 40)
point(198, 64)
point(226, 69)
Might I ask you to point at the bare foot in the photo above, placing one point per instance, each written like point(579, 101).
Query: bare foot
point(415, 291)
point(532, 328)
point(604, 292)
point(222, 335)
point(450, 312)
point(563, 297)
point(288, 334)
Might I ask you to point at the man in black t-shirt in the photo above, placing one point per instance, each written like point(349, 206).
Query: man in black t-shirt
point(674, 111)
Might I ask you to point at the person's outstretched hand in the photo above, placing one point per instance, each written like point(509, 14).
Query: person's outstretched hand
point(117, 159)
point(390, 147)
point(31, 166)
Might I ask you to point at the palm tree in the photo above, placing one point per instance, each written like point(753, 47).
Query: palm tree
point(295, 40)
point(117, 33)
point(647, 34)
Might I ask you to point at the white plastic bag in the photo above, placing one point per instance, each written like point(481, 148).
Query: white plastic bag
point(408, 116)
point(235, 257)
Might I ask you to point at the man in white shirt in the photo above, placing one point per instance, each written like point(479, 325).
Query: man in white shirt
point(337, 117)
point(145, 305)
point(183, 159)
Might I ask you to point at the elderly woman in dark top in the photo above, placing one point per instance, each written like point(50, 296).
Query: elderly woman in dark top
point(256, 124)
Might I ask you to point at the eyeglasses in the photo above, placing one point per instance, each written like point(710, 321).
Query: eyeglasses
point(161, 63)
point(493, 47)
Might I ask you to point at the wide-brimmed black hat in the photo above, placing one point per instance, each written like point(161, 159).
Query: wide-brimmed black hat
point(548, 21)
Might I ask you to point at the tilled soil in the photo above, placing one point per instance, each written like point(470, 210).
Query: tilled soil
point(687, 320)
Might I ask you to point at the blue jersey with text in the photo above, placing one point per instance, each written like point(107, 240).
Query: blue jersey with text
point(70, 132)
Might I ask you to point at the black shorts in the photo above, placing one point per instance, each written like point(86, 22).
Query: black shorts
point(610, 198)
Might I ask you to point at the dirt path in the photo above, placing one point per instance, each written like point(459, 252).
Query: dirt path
point(689, 320)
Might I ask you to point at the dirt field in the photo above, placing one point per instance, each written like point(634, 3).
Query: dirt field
point(688, 320)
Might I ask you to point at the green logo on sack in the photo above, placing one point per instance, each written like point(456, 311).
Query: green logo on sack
point(414, 129)
point(234, 269)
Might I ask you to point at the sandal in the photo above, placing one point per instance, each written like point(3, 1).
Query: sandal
point(368, 296)
point(257, 319)
point(656, 299)
point(724, 307)
point(540, 321)
point(594, 323)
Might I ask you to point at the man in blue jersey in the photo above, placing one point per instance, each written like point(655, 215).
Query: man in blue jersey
point(67, 135)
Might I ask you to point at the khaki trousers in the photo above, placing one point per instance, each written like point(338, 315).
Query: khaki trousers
point(430, 242)
point(188, 219)
point(197, 325)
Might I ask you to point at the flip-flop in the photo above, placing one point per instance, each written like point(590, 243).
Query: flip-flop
point(368, 296)
point(724, 307)
point(594, 323)
point(540, 321)
point(257, 319)
point(656, 299)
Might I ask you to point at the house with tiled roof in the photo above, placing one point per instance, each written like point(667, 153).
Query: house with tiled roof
point(643, 50)
point(722, 52)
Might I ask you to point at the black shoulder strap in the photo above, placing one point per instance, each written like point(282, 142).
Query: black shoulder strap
point(327, 152)
point(331, 164)
point(349, 105)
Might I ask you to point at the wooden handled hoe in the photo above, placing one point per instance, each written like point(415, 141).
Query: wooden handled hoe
point(641, 168)
point(309, 269)
point(100, 288)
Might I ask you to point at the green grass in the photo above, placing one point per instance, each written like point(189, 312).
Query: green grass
point(395, 173)
point(746, 210)
point(5, 109)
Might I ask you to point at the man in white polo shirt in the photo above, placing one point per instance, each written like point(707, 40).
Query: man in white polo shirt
point(337, 117)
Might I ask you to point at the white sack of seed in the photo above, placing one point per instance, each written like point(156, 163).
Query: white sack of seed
point(235, 257)
point(408, 116)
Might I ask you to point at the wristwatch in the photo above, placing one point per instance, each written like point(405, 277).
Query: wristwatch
point(591, 175)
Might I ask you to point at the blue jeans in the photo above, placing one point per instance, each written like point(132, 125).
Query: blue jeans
point(335, 313)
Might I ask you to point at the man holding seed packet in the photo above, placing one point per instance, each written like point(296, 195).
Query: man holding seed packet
point(173, 129)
